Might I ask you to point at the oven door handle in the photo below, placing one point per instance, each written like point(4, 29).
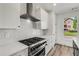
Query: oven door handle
point(37, 52)
point(39, 49)
point(37, 43)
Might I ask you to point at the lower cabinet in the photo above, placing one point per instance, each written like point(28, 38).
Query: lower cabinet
point(21, 53)
point(75, 49)
point(50, 44)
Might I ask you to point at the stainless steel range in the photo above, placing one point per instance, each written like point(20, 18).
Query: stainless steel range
point(36, 46)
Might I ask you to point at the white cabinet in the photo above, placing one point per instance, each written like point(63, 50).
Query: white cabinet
point(9, 15)
point(23, 8)
point(21, 53)
point(33, 10)
point(36, 11)
point(48, 47)
point(40, 14)
point(44, 19)
point(50, 43)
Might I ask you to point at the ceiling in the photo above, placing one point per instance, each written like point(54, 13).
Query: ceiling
point(65, 7)
point(47, 6)
point(60, 7)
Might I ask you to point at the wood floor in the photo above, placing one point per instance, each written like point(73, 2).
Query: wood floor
point(61, 50)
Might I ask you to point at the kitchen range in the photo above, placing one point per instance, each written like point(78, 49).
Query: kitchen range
point(36, 46)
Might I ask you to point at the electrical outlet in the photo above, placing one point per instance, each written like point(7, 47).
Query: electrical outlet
point(7, 35)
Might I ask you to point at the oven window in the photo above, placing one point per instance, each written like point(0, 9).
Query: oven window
point(41, 53)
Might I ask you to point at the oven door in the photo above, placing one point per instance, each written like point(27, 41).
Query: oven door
point(40, 51)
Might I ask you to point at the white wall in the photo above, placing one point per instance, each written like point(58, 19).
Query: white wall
point(60, 28)
point(26, 31)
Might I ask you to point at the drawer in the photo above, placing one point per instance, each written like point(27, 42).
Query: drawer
point(21, 53)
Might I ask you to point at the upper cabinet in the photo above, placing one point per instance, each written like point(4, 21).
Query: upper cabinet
point(9, 15)
point(40, 14)
point(36, 11)
point(44, 19)
point(23, 8)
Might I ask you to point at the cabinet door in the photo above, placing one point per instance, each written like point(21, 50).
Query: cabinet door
point(9, 15)
point(36, 11)
point(53, 41)
point(49, 44)
point(21, 53)
point(33, 11)
point(44, 19)
point(23, 8)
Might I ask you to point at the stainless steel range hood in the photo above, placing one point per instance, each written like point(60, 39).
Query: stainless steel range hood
point(28, 15)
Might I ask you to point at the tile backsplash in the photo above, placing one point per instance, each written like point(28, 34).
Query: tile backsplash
point(26, 31)
point(2, 34)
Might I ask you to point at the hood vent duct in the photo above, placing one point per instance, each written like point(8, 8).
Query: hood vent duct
point(28, 15)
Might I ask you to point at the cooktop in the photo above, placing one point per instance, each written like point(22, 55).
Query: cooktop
point(31, 41)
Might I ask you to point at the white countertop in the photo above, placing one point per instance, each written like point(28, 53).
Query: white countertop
point(11, 48)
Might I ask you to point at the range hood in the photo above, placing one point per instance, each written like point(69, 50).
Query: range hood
point(28, 15)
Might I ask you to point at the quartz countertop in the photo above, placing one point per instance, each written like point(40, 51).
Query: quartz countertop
point(11, 48)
